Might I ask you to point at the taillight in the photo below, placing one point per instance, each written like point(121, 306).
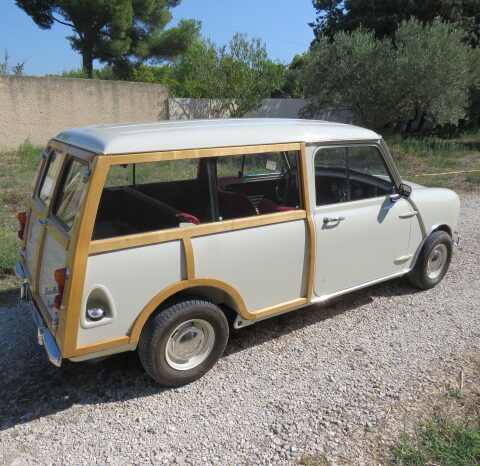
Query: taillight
point(22, 218)
point(60, 276)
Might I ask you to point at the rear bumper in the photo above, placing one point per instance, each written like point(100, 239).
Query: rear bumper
point(45, 337)
point(456, 238)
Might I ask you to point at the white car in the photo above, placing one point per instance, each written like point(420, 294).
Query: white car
point(158, 237)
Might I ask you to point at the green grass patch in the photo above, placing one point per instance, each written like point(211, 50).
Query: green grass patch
point(18, 168)
point(442, 162)
point(425, 147)
point(441, 440)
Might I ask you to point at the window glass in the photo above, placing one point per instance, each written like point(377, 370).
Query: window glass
point(368, 160)
point(352, 173)
point(153, 196)
point(68, 199)
point(47, 185)
point(257, 184)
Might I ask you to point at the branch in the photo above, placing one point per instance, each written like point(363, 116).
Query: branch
point(61, 22)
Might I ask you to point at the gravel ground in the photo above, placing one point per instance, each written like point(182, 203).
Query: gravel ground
point(332, 380)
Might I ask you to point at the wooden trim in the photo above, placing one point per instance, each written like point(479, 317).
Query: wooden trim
point(268, 311)
point(189, 258)
point(172, 234)
point(77, 257)
point(101, 345)
point(310, 225)
point(180, 286)
point(120, 159)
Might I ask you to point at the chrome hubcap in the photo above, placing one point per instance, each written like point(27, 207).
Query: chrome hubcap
point(436, 261)
point(189, 344)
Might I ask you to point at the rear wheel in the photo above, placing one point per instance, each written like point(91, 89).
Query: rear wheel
point(433, 262)
point(183, 341)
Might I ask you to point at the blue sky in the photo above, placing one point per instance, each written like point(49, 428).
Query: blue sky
point(282, 24)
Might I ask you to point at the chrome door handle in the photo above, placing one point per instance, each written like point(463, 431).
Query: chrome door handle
point(43, 223)
point(332, 219)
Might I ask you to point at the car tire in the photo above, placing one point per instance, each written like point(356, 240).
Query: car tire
point(433, 261)
point(183, 341)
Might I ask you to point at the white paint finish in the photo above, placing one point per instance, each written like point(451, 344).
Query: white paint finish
point(54, 257)
point(361, 248)
point(132, 277)
point(194, 134)
point(34, 235)
point(267, 265)
point(436, 206)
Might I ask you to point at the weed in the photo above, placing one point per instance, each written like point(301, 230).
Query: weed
point(441, 440)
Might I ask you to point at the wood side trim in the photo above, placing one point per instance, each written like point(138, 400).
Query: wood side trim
point(144, 239)
point(101, 345)
point(189, 258)
point(268, 311)
point(310, 225)
point(78, 256)
point(119, 159)
point(180, 286)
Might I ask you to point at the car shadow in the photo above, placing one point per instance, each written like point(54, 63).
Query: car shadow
point(31, 387)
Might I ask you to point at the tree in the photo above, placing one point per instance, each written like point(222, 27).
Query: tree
point(5, 67)
point(236, 77)
point(115, 31)
point(427, 72)
point(383, 16)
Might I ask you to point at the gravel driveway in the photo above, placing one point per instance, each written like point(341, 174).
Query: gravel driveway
point(329, 380)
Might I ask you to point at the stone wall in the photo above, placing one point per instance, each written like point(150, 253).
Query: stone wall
point(38, 108)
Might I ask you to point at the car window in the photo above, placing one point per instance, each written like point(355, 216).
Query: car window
point(47, 184)
point(69, 196)
point(153, 196)
point(350, 173)
point(257, 184)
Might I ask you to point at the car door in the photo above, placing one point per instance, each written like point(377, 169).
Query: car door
point(362, 225)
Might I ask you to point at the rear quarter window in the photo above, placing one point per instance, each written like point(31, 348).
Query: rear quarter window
point(69, 195)
point(49, 180)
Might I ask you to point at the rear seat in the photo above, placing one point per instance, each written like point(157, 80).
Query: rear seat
point(182, 216)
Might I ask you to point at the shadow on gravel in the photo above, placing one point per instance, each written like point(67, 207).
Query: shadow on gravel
point(30, 387)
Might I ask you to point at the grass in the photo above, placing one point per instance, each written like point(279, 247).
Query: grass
point(444, 438)
point(18, 170)
point(417, 158)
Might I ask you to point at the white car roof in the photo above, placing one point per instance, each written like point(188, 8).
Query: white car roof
point(193, 134)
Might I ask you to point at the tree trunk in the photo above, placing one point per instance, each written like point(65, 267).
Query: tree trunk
point(87, 62)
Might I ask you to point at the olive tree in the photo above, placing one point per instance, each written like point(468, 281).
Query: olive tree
point(424, 70)
point(235, 77)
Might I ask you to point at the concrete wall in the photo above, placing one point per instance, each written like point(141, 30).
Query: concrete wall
point(187, 109)
point(38, 108)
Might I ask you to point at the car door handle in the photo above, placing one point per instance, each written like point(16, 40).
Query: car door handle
point(332, 219)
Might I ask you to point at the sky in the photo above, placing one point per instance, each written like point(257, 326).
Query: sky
point(282, 24)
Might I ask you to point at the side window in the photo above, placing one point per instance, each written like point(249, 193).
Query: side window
point(47, 184)
point(68, 200)
point(257, 184)
point(151, 196)
point(351, 173)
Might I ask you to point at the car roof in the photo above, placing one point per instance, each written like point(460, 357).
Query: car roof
point(193, 134)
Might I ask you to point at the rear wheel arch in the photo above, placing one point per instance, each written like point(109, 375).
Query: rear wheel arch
point(215, 291)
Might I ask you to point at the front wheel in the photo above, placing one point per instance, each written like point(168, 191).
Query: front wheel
point(183, 341)
point(433, 261)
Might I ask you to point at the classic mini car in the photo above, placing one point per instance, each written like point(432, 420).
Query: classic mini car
point(159, 237)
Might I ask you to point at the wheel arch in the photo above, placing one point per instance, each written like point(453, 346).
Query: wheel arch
point(439, 227)
point(214, 290)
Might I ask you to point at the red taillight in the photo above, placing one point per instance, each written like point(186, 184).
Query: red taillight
point(22, 218)
point(60, 276)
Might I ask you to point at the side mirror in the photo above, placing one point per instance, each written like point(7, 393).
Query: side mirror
point(404, 190)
